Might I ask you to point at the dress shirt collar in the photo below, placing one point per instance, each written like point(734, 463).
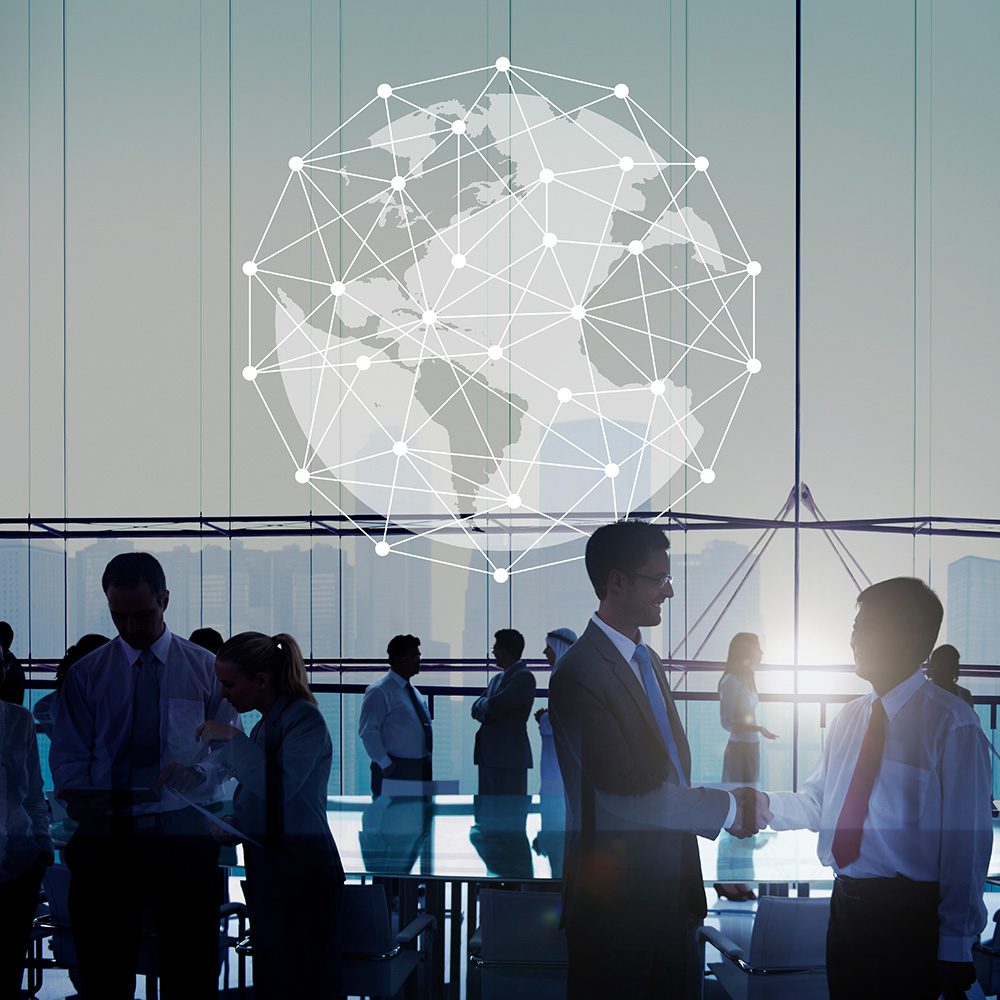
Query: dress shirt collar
point(159, 648)
point(894, 700)
point(393, 676)
point(622, 643)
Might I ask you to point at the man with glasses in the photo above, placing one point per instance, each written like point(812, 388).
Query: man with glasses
point(632, 879)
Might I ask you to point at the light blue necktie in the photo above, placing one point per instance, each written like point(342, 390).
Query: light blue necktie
point(659, 707)
point(145, 742)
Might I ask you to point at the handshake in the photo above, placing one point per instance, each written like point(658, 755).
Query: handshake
point(752, 812)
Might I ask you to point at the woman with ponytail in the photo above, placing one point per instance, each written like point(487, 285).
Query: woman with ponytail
point(294, 874)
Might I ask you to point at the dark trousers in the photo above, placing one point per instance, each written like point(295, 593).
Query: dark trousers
point(116, 876)
point(741, 763)
point(599, 969)
point(404, 769)
point(18, 902)
point(883, 939)
point(503, 780)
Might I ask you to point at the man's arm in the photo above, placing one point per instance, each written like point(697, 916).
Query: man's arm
point(35, 804)
point(801, 810)
point(72, 736)
point(374, 709)
point(513, 698)
point(966, 841)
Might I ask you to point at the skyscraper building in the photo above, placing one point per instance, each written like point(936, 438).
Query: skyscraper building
point(973, 606)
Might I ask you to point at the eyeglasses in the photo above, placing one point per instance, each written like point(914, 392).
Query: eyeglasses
point(659, 578)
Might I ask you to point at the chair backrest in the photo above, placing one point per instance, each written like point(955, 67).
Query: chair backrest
point(366, 931)
point(521, 927)
point(789, 933)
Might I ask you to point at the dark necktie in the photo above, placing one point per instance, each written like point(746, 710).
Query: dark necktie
point(145, 742)
point(424, 718)
point(847, 837)
point(655, 695)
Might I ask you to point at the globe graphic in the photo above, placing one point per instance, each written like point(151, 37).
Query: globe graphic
point(500, 301)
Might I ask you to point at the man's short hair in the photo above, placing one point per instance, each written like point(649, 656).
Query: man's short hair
point(132, 569)
point(944, 662)
point(208, 638)
point(400, 645)
point(910, 608)
point(6, 635)
point(623, 546)
point(510, 640)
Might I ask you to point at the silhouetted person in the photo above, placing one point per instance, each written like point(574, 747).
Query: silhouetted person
point(45, 707)
point(556, 643)
point(207, 638)
point(294, 878)
point(943, 670)
point(901, 800)
point(395, 723)
point(738, 702)
point(503, 751)
point(124, 724)
point(11, 671)
point(632, 882)
point(25, 844)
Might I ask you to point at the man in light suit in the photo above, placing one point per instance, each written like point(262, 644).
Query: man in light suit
point(503, 752)
point(632, 882)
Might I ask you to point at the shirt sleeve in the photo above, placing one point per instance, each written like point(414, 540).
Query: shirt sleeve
point(514, 698)
point(35, 804)
point(374, 709)
point(734, 707)
point(802, 810)
point(966, 841)
point(72, 736)
point(212, 767)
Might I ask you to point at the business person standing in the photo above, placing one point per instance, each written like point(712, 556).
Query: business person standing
point(632, 883)
point(502, 751)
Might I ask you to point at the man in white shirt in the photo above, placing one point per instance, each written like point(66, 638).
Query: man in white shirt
point(124, 725)
point(395, 723)
point(901, 800)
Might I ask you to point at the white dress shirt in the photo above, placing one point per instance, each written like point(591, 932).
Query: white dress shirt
point(92, 726)
point(24, 813)
point(389, 725)
point(929, 813)
point(627, 647)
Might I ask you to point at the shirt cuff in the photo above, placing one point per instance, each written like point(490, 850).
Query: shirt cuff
point(954, 948)
point(731, 815)
point(384, 762)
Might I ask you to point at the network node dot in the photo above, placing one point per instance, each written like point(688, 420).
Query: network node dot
point(546, 176)
point(502, 64)
point(295, 163)
point(707, 476)
point(364, 363)
point(513, 501)
point(249, 268)
point(337, 288)
point(399, 448)
point(550, 240)
point(458, 260)
point(621, 91)
point(753, 366)
point(636, 247)
point(397, 183)
point(754, 268)
point(611, 470)
point(250, 373)
point(429, 317)
point(302, 475)
point(501, 576)
point(459, 127)
point(701, 163)
point(495, 353)
point(381, 549)
point(577, 312)
point(657, 388)
point(384, 91)
point(626, 163)
point(564, 395)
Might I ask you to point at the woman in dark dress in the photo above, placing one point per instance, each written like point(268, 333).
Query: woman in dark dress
point(294, 874)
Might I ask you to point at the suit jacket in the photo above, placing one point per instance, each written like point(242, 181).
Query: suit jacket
point(632, 867)
point(502, 739)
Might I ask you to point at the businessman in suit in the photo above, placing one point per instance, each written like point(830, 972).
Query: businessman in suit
point(503, 752)
point(632, 882)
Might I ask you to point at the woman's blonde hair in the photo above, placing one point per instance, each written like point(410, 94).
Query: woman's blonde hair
point(278, 656)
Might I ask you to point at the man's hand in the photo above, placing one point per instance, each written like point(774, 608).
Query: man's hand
point(85, 806)
point(752, 812)
point(388, 772)
point(214, 731)
point(955, 979)
point(220, 836)
point(179, 777)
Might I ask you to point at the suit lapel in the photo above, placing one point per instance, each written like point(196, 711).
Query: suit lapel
point(680, 737)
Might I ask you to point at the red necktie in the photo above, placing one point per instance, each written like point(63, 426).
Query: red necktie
point(847, 838)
